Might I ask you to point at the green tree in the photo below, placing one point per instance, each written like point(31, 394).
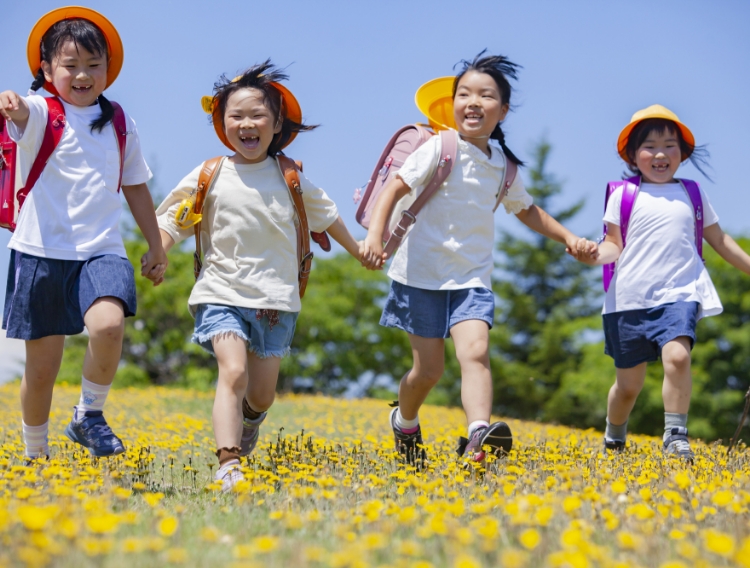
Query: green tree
point(545, 300)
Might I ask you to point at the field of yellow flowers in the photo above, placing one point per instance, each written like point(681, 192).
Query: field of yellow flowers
point(326, 491)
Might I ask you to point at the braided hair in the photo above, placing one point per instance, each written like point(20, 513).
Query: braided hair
point(499, 68)
point(82, 33)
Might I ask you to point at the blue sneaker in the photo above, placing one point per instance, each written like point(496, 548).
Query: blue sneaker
point(250, 434)
point(93, 432)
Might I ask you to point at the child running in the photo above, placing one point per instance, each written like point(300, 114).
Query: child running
point(68, 267)
point(661, 287)
point(247, 298)
point(442, 271)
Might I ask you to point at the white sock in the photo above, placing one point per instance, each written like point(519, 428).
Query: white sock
point(477, 424)
point(93, 397)
point(405, 424)
point(35, 440)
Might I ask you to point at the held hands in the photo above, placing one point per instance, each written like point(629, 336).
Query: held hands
point(372, 256)
point(153, 265)
point(583, 250)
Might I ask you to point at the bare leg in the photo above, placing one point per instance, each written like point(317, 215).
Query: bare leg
point(43, 358)
point(105, 321)
point(429, 361)
point(472, 341)
point(624, 392)
point(261, 388)
point(678, 382)
point(231, 354)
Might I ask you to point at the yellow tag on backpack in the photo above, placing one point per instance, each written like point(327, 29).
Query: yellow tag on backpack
point(186, 217)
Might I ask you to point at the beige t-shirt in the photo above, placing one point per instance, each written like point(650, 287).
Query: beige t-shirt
point(248, 235)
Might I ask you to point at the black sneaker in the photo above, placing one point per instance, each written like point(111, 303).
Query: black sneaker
point(93, 433)
point(497, 436)
point(677, 444)
point(410, 446)
point(614, 446)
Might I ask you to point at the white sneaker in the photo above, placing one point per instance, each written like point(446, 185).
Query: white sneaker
point(230, 475)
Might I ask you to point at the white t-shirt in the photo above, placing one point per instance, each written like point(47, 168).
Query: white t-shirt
point(450, 245)
point(248, 235)
point(660, 262)
point(73, 210)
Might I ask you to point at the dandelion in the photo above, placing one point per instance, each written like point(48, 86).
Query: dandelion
point(719, 543)
point(168, 526)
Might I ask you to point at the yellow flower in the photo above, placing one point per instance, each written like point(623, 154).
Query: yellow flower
point(168, 526)
point(210, 534)
point(153, 499)
point(719, 543)
point(265, 544)
point(466, 561)
point(619, 487)
point(104, 523)
point(722, 498)
point(36, 518)
point(176, 555)
point(530, 539)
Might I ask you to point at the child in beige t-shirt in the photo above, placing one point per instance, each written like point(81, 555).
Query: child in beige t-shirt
point(246, 299)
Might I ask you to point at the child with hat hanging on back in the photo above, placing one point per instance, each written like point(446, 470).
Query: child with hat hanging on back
point(68, 267)
point(442, 271)
point(660, 288)
point(247, 298)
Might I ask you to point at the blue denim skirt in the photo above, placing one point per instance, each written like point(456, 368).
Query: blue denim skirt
point(432, 313)
point(48, 296)
point(633, 337)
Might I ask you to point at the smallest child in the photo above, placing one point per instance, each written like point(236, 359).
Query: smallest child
point(661, 287)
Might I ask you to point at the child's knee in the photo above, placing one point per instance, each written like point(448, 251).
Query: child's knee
point(676, 356)
point(260, 402)
point(429, 374)
point(628, 390)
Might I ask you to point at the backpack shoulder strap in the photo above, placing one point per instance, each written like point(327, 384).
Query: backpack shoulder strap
point(304, 255)
point(206, 179)
point(630, 189)
point(694, 193)
point(52, 134)
point(509, 176)
point(121, 131)
point(448, 152)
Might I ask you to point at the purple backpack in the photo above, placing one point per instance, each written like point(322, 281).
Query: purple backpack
point(402, 144)
point(630, 188)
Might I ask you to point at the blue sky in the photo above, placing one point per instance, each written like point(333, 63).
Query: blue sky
point(354, 67)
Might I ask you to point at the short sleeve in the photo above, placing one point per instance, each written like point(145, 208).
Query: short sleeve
point(320, 209)
point(518, 198)
point(419, 164)
point(135, 170)
point(612, 213)
point(709, 215)
point(165, 213)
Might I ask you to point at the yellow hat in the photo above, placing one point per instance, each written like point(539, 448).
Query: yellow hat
point(435, 100)
point(114, 43)
point(654, 111)
point(290, 108)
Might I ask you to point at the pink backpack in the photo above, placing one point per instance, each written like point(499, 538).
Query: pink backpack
point(12, 195)
point(402, 144)
point(630, 188)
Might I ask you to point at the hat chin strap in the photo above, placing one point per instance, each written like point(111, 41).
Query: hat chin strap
point(474, 137)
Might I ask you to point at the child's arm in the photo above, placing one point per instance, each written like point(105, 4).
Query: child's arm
point(14, 107)
point(373, 256)
point(342, 236)
point(727, 247)
point(536, 219)
point(154, 262)
point(609, 249)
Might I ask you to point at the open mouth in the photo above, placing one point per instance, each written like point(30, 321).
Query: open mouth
point(473, 117)
point(249, 142)
point(82, 89)
point(660, 168)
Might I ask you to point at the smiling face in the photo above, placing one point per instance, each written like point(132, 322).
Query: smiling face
point(659, 156)
point(478, 107)
point(249, 125)
point(78, 75)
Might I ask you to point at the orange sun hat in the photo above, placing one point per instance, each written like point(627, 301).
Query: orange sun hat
point(654, 111)
point(290, 108)
point(435, 100)
point(114, 43)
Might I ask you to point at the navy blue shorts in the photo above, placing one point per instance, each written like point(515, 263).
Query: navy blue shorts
point(48, 296)
point(432, 313)
point(638, 336)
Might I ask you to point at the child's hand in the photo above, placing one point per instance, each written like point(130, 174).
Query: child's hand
point(153, 265)
point(9, 102)
point(372, 254)
point(583, 250)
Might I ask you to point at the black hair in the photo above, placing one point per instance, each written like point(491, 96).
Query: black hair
point(82, 33)
point(697, 155)
point(499, 68)
point(260, 77)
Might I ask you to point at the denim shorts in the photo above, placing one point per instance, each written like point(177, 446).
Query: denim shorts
point(638, 336)
point(262, 338)
point(48, 296)
point(432, 313)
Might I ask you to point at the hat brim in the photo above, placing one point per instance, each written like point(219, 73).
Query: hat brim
point(435, 100)
point(291, 110)
point(114, 43)
point(622, 139)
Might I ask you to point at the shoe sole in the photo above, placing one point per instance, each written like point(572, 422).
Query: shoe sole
point(70, 434)
point(499, 438)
